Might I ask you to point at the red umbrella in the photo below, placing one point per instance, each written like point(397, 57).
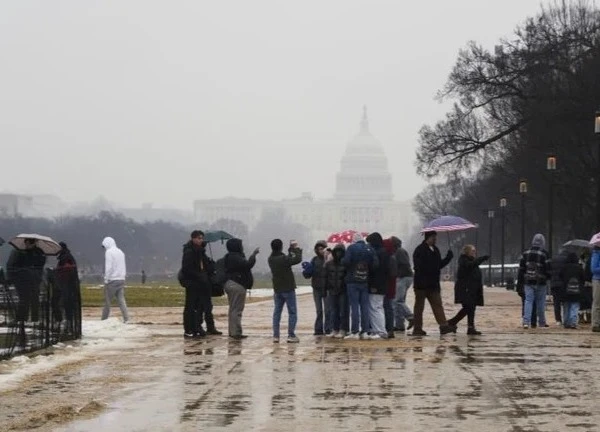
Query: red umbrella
point(344, 236)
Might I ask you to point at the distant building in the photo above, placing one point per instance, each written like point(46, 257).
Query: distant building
point(31, 205)
point(363, 198)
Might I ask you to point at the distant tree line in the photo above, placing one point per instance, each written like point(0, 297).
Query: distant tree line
point(532, 97)
point(155, 247)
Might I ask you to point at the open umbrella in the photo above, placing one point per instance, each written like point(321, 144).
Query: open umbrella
point(214, 236)
point(46, 244)
point(577, 244)
point(595, 240)
point(448, 224)
point(344, 236)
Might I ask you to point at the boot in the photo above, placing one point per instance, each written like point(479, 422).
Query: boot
point(472, 332)
point(445, 329)
point(419, 332)
point(411, 323)
point(213, 331)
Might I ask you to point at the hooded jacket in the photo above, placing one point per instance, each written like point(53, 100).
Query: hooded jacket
point(66, 264)
point(534, 268)
point(360, 260)
point(402, 259)
point(378, 276)
point(468, 288)
point(335, 272)
point(555, 266)
point(317, 270)
point(114, 261)
point(237, 267)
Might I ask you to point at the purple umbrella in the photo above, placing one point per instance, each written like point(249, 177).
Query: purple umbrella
point(448, 224)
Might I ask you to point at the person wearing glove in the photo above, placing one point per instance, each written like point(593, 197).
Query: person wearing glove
point(428, 264)
point(468, 289)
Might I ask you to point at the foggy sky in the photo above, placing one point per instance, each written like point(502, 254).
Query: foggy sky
point(169, 101)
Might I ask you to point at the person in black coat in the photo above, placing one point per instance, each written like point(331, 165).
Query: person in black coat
point(468, 289)
point(238, 271)
point(335, 274)
point(572, 276)
point(196, 270)
point(428, 264)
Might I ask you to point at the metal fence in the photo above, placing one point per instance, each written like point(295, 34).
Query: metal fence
point(37, 317)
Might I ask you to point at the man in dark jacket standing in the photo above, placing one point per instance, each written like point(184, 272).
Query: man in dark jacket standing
point(196, 269)
point(556, 283)
point(428, 265)
point(360, 260)
point(335, 275)
point(238, 271)
point(402, 312)
point(378, 282)
point(534, 272)
point(315, 271)
point(284, 286)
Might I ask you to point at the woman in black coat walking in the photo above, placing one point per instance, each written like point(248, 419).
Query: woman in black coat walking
point(468, 290)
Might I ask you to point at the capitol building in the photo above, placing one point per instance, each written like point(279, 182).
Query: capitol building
point(363, 199)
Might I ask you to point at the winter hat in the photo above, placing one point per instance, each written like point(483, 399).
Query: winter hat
point(539, 241)
point(357, 237)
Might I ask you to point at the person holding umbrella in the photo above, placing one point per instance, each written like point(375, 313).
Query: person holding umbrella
point(468, 289)
point(428, 264)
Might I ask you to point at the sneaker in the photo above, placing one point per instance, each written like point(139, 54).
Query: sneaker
point(275, 340)
point(526, 326)
point(329, 335)
point(419, 333)
point(343, 333)
point(188, 335)
point(337, 335)
point(375, 337)
point(558, 324)
point(201, 332)
point(293, 339)
point(356, 336)
point(364, 336)
point(411, 323)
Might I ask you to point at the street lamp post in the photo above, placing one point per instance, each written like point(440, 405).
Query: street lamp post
point(503, 204)
point(551, 167)
point(597, 133)
point(491, 215)
point(523, 192)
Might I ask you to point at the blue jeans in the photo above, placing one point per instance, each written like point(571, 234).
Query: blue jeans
point(323, 321)
point(339, 312)
point(535, 293)
point(358, 296)
point(289, 299)
point(401, 310)
point(570, 313)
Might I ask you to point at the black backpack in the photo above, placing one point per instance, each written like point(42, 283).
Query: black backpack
point(219, 278)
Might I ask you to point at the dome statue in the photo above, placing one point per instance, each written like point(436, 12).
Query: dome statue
point(364, 173)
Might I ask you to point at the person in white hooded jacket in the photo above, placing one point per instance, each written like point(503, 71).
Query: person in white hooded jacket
point(114, 278)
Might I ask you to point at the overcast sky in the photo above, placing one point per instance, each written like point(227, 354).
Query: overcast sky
point(170, 101)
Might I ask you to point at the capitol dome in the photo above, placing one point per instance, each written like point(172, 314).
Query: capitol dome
point(364, 173)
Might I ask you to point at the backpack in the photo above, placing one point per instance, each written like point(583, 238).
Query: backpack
point(532, 271)
point(219, 279)
point(573, 286)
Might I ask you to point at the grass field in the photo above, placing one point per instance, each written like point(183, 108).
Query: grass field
point(150, 295)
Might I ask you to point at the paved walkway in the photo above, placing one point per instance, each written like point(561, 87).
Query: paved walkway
point(505, 380)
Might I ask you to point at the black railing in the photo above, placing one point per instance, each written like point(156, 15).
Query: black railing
point(35, 316)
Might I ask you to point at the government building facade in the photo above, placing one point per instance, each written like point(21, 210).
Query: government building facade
point(363, 199)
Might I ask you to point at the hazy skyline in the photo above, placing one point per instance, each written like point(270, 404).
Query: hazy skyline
point(167, 102)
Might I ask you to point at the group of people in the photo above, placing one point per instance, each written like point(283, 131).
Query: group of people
point(573, 281)
point(359, 291)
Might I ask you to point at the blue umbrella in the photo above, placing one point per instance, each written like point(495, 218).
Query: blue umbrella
point(448, 224)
